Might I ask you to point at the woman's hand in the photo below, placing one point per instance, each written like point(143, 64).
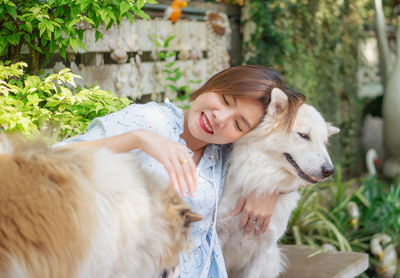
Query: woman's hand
point(173, 156)
point(256, 212)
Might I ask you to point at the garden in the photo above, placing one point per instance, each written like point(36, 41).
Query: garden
point(64, 63)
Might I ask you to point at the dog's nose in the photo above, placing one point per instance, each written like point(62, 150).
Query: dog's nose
point(327, 170)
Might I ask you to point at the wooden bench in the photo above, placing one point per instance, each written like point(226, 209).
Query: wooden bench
point(324, 264)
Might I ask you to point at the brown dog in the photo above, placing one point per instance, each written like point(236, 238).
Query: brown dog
point(83, 212)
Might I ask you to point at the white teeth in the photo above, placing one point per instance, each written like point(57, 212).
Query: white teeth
point(206, 123)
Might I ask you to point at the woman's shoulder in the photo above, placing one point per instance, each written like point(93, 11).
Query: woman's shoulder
point(150, 112)
point(153, 109)
point(162, 118)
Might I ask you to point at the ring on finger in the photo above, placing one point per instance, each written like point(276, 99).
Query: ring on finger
point(184, 161)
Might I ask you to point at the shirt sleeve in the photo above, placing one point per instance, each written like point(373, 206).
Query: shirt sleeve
point(136, 116)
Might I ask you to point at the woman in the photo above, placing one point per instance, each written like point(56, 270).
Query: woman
point(192, 148)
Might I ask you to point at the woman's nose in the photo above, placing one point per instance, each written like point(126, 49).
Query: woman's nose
point(221, 117)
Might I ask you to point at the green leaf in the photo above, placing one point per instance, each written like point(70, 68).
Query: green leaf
point(42, 28)
point(29, 25)
point(142, 14)
point(65, 91)
point(3, 47)
point(12, 10)
point(162, 55)
point(32, 81)
point(52, 103)
point(33, 100)
point(74, 44)
point(10, 3)
point(89, 20)
point(124, 7)
point(73, 22)
point(98, 107)
point(170, 65)
point(14, 38)
point(98, 35)
point(172, 87)
point(140, 4)
point(168, 40)
point(81, 44)
point(59, 20)
point(57, 34)
point(9, 26)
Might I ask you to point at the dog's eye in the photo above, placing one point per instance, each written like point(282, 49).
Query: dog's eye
point(304, 136)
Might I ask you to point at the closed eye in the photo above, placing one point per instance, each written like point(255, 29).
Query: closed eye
point(238, 127)
point(224, 98)
point(305, 136)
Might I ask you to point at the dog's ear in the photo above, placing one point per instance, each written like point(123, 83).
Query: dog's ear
point(189, 216)
point(332, 130)
point(278, 104)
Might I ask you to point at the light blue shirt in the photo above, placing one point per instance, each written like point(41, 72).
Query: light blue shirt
point(206, 259)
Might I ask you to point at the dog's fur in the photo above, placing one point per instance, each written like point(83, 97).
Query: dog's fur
point(83, 212)
point(269, 159)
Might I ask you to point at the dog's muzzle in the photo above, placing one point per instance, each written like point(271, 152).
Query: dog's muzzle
point(299, 171)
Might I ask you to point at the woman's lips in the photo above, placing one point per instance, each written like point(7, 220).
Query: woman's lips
point(203, 125)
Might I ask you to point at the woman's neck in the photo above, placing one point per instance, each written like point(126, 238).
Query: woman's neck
point(196, 145)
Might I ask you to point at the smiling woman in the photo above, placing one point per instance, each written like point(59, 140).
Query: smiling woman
point(221, 119)
point(192, 147)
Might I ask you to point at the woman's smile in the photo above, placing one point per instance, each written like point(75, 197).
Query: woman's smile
point(205, 123)
point(214, 118)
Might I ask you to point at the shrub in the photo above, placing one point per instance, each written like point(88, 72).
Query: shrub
point(45, 26)
point(29, 103)
point(322, 215)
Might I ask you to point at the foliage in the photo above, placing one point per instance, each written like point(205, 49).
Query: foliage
point(29, 103)
point(172, 71)
point(314, 44)
point(322, 215)
point(45, 26)
point(319, 216)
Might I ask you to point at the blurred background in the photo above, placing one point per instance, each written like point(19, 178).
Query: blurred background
point(341, 54)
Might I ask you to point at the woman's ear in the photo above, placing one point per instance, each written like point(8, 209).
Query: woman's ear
point(278, 104)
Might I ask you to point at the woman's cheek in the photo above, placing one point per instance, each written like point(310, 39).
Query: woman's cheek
point(229, 138)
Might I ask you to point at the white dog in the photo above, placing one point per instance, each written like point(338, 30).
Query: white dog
point(81, 212)
point(268, 160)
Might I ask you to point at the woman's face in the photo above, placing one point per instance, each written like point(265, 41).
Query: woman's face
point(221, 119)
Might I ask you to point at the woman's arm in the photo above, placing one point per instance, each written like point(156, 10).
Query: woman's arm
point(119, 143)
point(172, 155)
point(256, 212)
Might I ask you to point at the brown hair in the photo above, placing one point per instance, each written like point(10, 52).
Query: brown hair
point(255, 82)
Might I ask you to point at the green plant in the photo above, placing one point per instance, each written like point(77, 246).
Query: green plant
point(322, 215)
point(48, 26)
point(29, 103)
point(381, 208)
point(172, 71)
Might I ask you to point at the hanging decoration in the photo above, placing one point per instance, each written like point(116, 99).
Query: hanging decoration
point(218, 33)
point(173, 12)
point(118, 52)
